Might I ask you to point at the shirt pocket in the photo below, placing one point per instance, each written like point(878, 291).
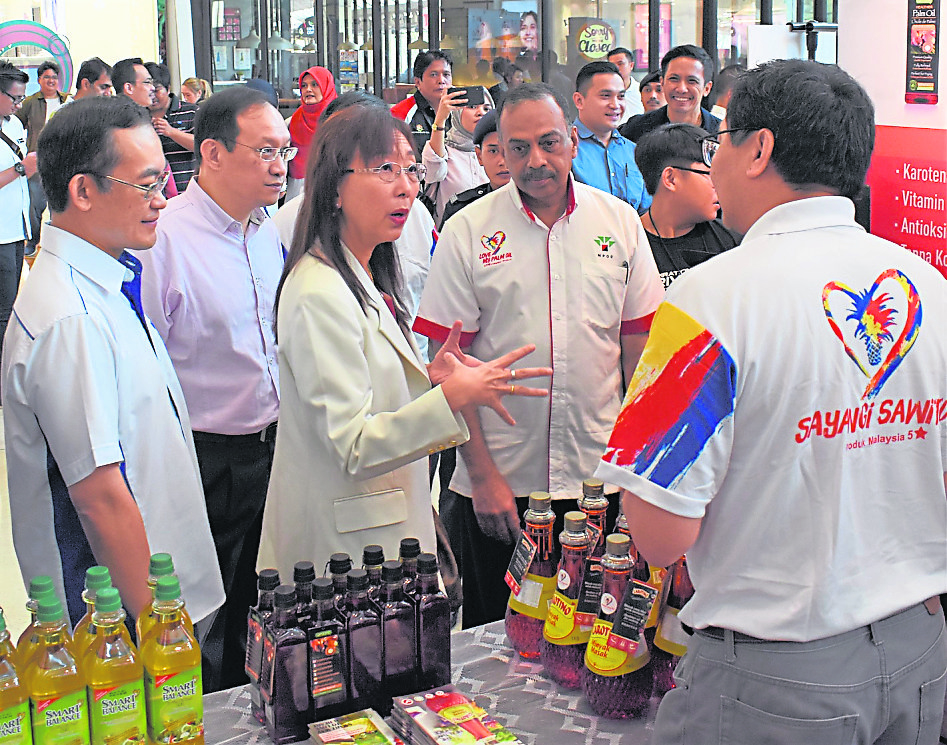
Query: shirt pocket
point(374, 510)
point(603, 294)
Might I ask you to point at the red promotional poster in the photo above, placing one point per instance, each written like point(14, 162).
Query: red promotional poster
point(908, 180)
point(923, 27)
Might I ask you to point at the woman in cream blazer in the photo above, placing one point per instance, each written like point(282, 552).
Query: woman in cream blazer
point(358, 413)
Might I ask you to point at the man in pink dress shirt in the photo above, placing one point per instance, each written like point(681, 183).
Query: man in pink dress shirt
point(209, 286)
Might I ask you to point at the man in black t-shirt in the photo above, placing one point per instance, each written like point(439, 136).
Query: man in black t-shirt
point(681, 224)
point(173, 120)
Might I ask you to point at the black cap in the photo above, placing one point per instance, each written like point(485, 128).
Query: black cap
point(391, 571)
point(427, 564)
point(267, 579)
point(304, 571)
point(357, 579)
point(322, 588)
point(284, 597)
point(651, 77)
point(410, 548)
point(340, 563)
point(373, 555)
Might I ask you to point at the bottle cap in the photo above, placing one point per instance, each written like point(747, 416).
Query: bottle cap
point(576, 521)
point(160, 565)
point(284, 597)
point(373, 555)
point(49, 609)
point(322, 588)
point(391, 571)
point(303, 571)
point(427, 564)
point(168, 588)
point(357, 579)
point(593, 488)
point(97, 578)
point(340, 563)
point(40, 585)
point(107, 600)
point(267, 579)
point(410, 548)
point(540, 501)
point(618, 544)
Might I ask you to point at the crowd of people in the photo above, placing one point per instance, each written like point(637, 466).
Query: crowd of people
point(193, 368)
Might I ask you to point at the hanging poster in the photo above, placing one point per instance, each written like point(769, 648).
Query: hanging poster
point(923, 26)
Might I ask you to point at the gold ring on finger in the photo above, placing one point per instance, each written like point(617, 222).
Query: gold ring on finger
point(512, 390)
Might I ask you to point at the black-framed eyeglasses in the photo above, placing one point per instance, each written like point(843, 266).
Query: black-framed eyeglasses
point(389, 171)
point(710, 143)
point(269, 154)
point(692, 170)
point(17, 100)
point(150, 191)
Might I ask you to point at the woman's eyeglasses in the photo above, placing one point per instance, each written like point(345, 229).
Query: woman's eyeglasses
point(388, 172)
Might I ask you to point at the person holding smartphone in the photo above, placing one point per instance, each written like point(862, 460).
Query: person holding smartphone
point(449, 156)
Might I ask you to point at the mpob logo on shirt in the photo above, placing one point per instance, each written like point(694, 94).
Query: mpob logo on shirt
point(604, 243)
point(493, 253)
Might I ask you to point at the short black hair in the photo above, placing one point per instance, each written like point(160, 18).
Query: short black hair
point(424, 60)
point(79, 140)
point(584, 77)
point(217, 117)
point(91, 70)
point(822, 120)
point(726, 78)
point(621, 50)
point(160, 74)
point(358, 97)
point(46, 64)
point(9, 74)
point(123, 72)
point(532, 92)
point(651, 77)
point(675, 144)
point(693, 52)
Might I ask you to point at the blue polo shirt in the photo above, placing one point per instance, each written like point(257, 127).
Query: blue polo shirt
point(612, 169)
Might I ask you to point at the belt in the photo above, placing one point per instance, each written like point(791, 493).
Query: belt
point(931, 605)
point(267, 434)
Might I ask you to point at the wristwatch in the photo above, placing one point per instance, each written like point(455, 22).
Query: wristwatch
point(435, 127)
point(19, 168)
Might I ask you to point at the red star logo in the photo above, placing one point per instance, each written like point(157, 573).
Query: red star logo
point(920, 433)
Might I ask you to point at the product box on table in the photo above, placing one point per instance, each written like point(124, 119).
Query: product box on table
point(445, 716)
point(364, 727)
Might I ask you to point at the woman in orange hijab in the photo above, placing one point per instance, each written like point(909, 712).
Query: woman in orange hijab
point(317, 90)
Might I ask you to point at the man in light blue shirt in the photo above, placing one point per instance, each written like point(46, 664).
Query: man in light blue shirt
point(605, 159)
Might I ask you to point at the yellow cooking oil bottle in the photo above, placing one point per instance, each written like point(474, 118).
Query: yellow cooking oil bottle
point(161, 565)
point(113, 675)
point(25, 646)
point(172, 660)
point(14, 699)
point(96, 578)
point(55, 682)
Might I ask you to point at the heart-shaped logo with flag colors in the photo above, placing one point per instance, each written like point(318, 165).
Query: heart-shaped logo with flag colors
point(493, 242)
point(877, 320)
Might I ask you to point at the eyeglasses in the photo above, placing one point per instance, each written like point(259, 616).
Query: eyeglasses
point(692, 170)
point(150, 190)
point(389, 171)
point(17, 100)
point(268, 154)
point(710, 143)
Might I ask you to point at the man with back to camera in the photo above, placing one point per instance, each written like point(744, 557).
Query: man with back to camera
point(174, 123)
point(651, 92)
point(790, 436)
point(432, 78)
point(489, 154)
point(681, 222)
point(93, 79)
point(605, 159)
point(587, 309)
point(100, 460)
point(624, 60)
point(687, 75)
point(723, 88)
point(16, 167)
point(209, 285)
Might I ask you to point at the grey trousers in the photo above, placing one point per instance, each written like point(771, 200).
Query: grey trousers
point(883, 683)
